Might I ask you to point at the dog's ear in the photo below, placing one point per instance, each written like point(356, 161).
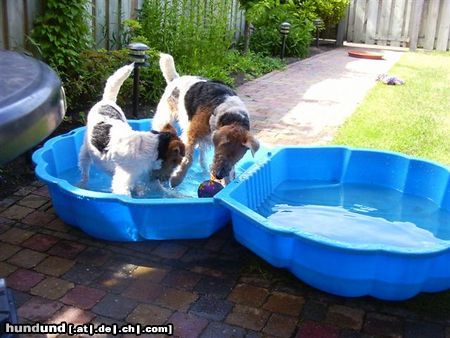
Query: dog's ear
point(168, 128)
point(251, 143)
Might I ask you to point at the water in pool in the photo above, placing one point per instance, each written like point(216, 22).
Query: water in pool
point(358, 213)
point(101, 181)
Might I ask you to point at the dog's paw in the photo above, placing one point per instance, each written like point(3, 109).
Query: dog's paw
point(175, 181)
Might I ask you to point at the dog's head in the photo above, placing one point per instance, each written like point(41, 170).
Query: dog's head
point(171, 151)
point(230, 144)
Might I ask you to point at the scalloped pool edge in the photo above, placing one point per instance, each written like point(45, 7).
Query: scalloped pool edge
point(384, 272)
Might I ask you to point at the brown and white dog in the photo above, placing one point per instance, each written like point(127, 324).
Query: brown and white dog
point(129, 155)
point(208, 112)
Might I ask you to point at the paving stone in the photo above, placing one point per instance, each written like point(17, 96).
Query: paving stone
point(147, 314)
point(6, 269)
point(215, 244)
point(115, 307)
point(94, 256)
point(215, 330)
point(58, 225)
point(38, 309)
point(248, 295)
point(170, 250)
point(211, 308)
point(23, 191)
point(73, 315)
point(256, 281)
point(353, 334)
point(20, 297)
point(187, 325)
point(345, 317)
point(16, 212)
point(176, 299)
point(7, 202)
point(382, 325)
point(27, 258)
point(111, 281)
point(6, 222)
point(143, 291)
point(54, 266)
point(423, 330)
point(16, 235)
point(181, 279)
point(216, 287)
point(40, 242)
point(42, 191)
point(38, 218)
point(447, 332)
point(7, 250)
point(83, 297)
point(280, 325)
point(121, 264)
point(284, 303)
point(82, 274)
point(24, 280)
point(314, 310)
point(310, 329)
point(52, 288)
point(67, 249)
point(248, 317)
point(152, 274)
point(33, 201)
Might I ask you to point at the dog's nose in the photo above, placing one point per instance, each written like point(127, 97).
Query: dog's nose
point(221, 173)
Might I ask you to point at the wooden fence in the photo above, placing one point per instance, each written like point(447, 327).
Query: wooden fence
point(405, 23)
point(16, 20)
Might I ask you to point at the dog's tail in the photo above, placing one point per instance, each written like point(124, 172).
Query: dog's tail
point(115, 81)
point(167, 66)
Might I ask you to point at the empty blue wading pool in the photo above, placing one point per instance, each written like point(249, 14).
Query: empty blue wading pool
point(104, 215)
point(351, 222)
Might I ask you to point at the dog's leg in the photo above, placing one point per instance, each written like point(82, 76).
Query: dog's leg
point(202, 157)
point(181, 171)
point(122, 182)
point(84, 164)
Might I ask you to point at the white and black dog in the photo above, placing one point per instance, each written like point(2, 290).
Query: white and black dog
point(127, 154)
point(208, 112)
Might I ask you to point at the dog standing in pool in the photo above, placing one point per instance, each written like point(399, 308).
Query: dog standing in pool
point(208, 112)
point(129, 155)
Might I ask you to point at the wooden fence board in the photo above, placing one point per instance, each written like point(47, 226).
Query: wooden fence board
point(397, 22)
point(416, 14)
point(360, 17)
point(371, 27)
point(16, 29)
point(100, 23)
point(3, 26)
point(431, 24)
point(406, 23)
point(351, 21)
point(423, 17)
point(384, 23)
point(444, 27)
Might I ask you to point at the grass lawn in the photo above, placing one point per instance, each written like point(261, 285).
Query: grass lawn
point(413, 118)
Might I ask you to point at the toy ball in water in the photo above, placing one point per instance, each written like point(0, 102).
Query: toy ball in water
point(209, 188)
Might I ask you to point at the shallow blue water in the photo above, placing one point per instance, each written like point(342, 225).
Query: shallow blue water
point(356, 213)
point(101, 181)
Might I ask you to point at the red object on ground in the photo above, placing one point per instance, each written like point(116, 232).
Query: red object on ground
point(365, 54)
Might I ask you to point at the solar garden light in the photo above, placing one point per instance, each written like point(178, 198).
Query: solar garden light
point(285, 27)
point(318, 23)
point(138, 56)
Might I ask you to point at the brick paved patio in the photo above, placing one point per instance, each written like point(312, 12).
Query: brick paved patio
point(206, 288)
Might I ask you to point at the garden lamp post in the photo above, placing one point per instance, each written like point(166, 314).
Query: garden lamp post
point(138, 56)
point(318, 23)
point(285, 27)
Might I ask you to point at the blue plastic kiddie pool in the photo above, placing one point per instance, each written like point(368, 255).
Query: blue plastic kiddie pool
point(104, 215)
point(351, 222)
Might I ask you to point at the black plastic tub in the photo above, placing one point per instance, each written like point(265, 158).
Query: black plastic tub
point(32, 103)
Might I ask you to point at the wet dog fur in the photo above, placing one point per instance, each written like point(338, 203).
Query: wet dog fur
point(208, 112)
point(130, 156)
